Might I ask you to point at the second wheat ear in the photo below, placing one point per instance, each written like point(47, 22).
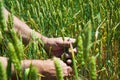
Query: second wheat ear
point(58, 67)
point(74, 63)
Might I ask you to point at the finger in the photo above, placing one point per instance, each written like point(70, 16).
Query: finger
point(72, 40)
point(69, 70)
point(67, 41)
point(67, 56)
point(69, 62)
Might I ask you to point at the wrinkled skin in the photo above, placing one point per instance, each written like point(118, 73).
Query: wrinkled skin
point(47, 69)
point(56, 46)
point(50, 72)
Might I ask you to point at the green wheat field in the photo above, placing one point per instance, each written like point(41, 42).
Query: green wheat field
point(95, 24)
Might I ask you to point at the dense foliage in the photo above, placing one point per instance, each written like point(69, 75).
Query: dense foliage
point(95, 22)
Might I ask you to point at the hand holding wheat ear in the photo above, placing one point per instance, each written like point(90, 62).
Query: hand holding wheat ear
point(56, 46)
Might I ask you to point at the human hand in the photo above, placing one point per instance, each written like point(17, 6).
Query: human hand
point(56, 46)
point(67, 57)
point(49, 70)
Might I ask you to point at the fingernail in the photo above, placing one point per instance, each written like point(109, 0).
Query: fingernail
point(69, 61)
point(67, 56)
point(69, 69)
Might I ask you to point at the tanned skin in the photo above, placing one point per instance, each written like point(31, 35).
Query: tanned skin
point(45, 67)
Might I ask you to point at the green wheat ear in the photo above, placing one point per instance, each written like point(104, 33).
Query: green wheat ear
point(58, 68)
point(18, 45)
point(15, 60)
point(2, 72)
point(15, 40)
point(3, 25)
point(80, 50)
point(33, 73)
point(87, 41)
point(93, 74)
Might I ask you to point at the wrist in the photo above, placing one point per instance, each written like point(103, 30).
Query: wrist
point(43, 38)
